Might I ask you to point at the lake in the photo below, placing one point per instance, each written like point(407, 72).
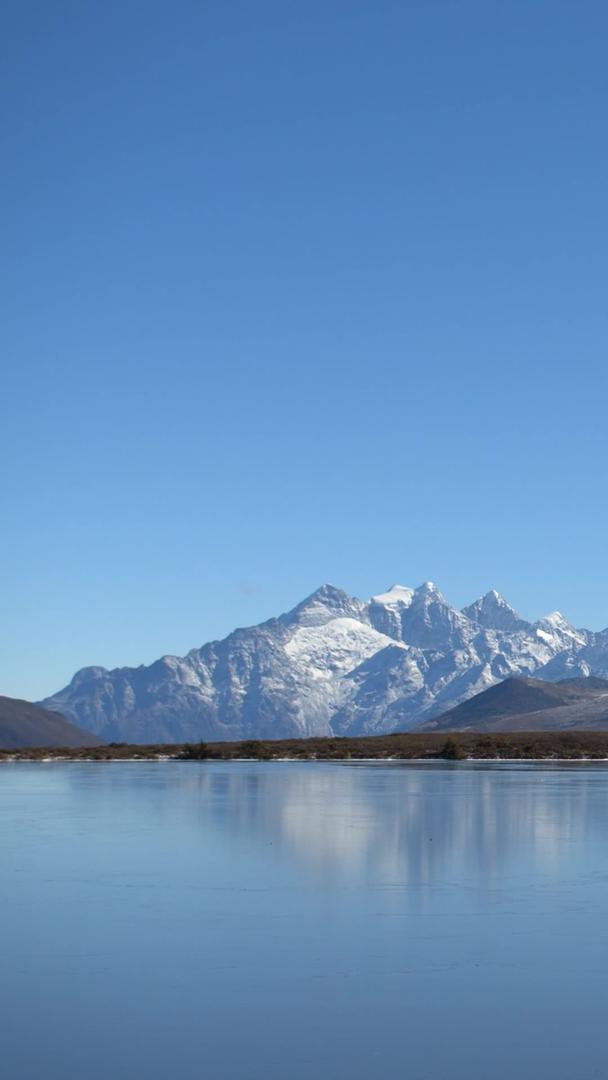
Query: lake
point(253, 921)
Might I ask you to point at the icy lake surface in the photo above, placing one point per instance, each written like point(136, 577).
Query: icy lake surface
point(285, 921)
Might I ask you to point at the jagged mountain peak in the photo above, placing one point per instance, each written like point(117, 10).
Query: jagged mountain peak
point(491, 599)
point(327, 591)
point(428, 595)
point(85, 674)
point(428, 588)
point(425, 621)
point(555, 618)
point(494, 599)
point(557, 623)
point(325, 603)
point(420, 617)
point(555, 628)
point(492, 612)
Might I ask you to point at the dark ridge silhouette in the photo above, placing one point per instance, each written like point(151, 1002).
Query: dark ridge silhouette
point(525, 704)
point(23, 724)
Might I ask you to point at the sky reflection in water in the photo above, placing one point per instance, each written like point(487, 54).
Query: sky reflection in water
point(255, 921)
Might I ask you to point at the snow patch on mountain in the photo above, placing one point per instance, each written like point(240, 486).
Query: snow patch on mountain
point(334, 647)
point(397, 594)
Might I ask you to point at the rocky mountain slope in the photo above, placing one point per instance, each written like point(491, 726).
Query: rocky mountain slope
point(23, 724)
point(332, 665)
point(525, 704)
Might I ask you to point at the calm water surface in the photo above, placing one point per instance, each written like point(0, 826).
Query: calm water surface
point(260, 921)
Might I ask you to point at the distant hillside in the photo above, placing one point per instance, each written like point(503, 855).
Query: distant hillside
point(520, 704)
point(23, 724)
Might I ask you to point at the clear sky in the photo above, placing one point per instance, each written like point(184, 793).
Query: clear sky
point(296, 292)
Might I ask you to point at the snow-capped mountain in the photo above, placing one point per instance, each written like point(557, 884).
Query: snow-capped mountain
point(332, 665)
point(494, 613)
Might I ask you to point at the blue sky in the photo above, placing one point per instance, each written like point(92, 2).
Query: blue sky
point(294, 293)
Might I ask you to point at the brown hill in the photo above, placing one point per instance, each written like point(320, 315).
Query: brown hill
point(522, 704)
point(23, 724)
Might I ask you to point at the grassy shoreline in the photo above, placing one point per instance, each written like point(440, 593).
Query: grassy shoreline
point(447, 746)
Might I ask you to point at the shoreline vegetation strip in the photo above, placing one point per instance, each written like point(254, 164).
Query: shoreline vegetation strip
point(430, 746)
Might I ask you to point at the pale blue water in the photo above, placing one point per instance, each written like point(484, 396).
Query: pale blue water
point(261, 921)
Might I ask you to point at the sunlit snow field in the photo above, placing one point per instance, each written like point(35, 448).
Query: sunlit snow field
point(245, 921)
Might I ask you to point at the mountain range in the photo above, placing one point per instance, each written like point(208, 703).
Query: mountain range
point(332, 665)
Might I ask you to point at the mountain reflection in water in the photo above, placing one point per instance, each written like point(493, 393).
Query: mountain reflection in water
point(395, 823)
point(256, 921)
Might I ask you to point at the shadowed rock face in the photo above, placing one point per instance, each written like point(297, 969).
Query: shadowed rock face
point(23, 724)
point(334, 664)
